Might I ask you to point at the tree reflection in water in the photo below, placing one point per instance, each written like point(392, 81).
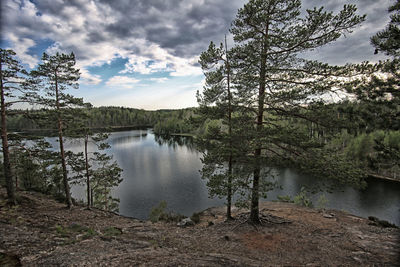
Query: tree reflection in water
point(175, 141)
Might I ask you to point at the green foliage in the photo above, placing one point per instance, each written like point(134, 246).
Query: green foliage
point(61, 231)
point(75, 231)
point(54, 75)
point(160, 213)
point(388, 40)
point(112, 231)
point(322, 201)
point(15, 86)
point(286, 199)
point(157, 212)
point(171, 126)
point(379, 102)
point(275, 86)
point(302, 198)
point(164, 122)
point(377, 152)
point(105, 176)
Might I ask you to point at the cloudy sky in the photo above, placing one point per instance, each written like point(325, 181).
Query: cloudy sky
point(143, 53)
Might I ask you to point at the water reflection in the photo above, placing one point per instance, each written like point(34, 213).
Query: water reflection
point(158, 168)
point(129, 139)
point(175, 141)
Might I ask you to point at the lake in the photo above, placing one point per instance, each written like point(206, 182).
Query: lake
point(155, 170)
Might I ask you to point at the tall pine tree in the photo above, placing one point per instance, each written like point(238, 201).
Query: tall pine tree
point(14, 87)
point(55, 74)
point(216, 102)
point(275, 82)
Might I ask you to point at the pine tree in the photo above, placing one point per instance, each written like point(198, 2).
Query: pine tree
point(56, 74)
point(378, 93)
point(388, 40)
point(106, 175)
point(216, 102)
point(14, 87)
point(88, 167)
point(275, 82)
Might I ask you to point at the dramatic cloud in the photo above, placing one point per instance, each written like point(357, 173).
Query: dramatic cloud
point(155, 39)
point(153, 35)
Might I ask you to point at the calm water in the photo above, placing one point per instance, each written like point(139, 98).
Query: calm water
point(156, 171)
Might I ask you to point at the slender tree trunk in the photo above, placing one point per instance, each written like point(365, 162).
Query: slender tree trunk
point(105, 198)
point(60, 137)
point(230, 163)
point(229, 195)
point(91, 197)
point(87, 171)
point(254, 207)
point(6, 153)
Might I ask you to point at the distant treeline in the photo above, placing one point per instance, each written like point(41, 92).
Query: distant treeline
point(102, 117)
point(355, 134)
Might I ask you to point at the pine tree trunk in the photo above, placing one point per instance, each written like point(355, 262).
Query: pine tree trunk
point(87, 172)
point(91, 197)
point(230, 167)
point(6, 154)
point(229, 195)
point(60, 137)
point(254, 207)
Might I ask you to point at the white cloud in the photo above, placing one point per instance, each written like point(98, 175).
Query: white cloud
point(159, 80)
point(88, 78)
point(144, 65)
point(122, 82)
point(21, 46)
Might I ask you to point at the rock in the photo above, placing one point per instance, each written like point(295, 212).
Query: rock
point(357, 259)
point(382, 223)
point(329, 216)
point(185, 222)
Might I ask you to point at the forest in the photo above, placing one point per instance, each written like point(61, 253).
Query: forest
point(262, 105)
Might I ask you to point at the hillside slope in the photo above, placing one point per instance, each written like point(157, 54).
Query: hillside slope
point(42, 232)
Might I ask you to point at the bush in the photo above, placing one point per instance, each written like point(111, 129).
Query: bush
point(322, 201)
point(286, 198)
point(159, 213)
point(302, 199)
point(112, 231)
point(195, 217)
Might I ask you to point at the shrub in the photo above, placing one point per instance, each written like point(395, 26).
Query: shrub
point(112, 231)
point(322, 201)
point(286, 198)
point(195, 217)
point(159, 213)
point(302, 199)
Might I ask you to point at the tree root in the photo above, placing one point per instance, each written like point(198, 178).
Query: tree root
point(265, 219)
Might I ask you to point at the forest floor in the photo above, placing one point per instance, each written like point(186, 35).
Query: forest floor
point(42, 232)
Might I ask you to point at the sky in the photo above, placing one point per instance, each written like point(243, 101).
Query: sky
point(144, 53)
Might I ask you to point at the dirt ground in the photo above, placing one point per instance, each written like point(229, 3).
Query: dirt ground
point(42, 232)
